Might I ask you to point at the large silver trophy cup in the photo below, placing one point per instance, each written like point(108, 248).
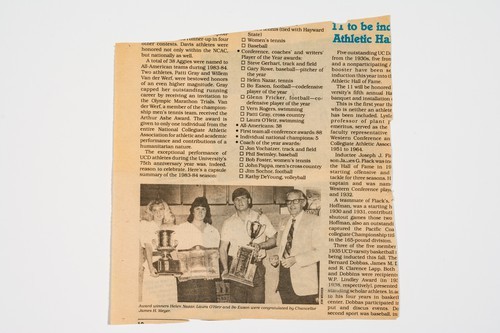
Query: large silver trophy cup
point(166, 245)
point(243, 267)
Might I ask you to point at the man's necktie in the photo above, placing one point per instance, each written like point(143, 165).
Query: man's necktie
point(289, 240)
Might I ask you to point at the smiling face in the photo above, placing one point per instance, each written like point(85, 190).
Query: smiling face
point(295, 203)
point(199, 213)
point(242, 203)
point(158, 212)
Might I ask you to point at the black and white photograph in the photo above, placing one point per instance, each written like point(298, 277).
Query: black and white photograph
point(229, 244)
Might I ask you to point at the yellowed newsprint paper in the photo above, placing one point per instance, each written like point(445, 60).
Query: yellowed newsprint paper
point(252, 176)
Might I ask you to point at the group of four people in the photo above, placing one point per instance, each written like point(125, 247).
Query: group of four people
point(298, 242)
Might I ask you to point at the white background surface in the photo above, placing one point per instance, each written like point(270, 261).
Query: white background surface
point(56, 112)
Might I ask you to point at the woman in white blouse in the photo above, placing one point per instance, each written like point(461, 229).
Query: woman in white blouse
point(198, 230)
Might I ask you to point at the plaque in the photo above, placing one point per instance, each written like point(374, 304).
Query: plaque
point(199, 263)
point(243, 267)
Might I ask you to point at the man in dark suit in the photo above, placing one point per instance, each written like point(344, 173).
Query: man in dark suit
point(299, 251)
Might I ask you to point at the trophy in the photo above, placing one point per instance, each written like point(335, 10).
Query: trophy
point(199, 262)
point(243, 266)
point(255, 229)
point(166, 245)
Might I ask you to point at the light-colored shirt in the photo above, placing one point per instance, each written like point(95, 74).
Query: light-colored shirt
point(296, 224)
point(188, 235)
point(148, 233)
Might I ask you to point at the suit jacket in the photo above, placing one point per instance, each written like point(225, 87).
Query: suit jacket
point(306, 248)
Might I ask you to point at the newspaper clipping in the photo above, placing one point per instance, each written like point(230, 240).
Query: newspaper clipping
point(252, 176)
